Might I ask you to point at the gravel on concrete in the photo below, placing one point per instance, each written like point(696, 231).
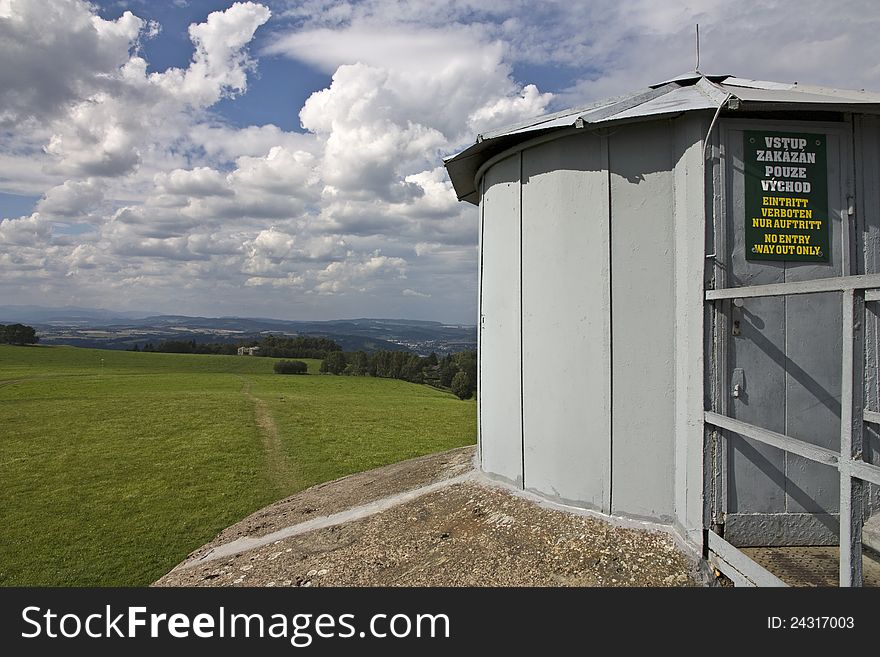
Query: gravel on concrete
point(470, 532)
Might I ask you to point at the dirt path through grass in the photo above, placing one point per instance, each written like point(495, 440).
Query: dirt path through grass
point(280, 470)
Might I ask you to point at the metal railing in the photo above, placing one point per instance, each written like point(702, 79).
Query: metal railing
point(854, 471)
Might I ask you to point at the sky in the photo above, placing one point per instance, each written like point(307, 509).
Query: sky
point(284, 158)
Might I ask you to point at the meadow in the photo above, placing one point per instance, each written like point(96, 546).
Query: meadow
point(115, 465)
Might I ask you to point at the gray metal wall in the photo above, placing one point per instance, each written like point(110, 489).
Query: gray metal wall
point(593, 267)
point(692, 273)
point(566, 321)
point(500, 367)
point(789, 351)
point(643, 320)
point(867, 165)
point(584, 241)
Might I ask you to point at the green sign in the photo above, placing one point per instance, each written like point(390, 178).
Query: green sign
point(786, 197)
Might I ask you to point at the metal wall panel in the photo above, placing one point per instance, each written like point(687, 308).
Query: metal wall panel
point(500, 323)
point(788, 351)
point(692, 276)
point(756, 481)
point(813, 357)
point(566, 322)
point(643, 321)
point(867, 158)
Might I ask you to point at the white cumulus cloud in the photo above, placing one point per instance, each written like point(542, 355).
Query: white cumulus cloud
point(148, 198)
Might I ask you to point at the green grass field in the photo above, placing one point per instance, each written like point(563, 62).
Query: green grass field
point(115, 465)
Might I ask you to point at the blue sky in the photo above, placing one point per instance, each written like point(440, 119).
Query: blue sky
point(284, 158)
point(275, 93)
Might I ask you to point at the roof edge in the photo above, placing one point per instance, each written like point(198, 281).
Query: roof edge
point(689, 92)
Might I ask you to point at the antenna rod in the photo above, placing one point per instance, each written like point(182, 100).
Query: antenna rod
point(697, 65)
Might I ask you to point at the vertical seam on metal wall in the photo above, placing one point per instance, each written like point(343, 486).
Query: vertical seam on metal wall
point(857, 172)
point(858, 265)
point(673, 129)
point(847, 185)
point(522, 400)
point(480, 324)
point(722, 216)
point(710, 338)
point(786, 456)
point(610, 337)
point(786, 388)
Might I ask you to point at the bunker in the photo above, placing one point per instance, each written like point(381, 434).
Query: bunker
point(678, 313)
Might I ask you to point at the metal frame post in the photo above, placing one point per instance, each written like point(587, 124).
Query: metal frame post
point(855, 473)
point(851, 430)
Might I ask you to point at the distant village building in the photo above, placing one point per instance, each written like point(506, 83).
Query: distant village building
point(672, 312)
point(248, 351)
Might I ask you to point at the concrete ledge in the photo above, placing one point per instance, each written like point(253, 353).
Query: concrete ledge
point(457, 530)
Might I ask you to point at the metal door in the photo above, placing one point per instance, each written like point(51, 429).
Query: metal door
point(779, 358)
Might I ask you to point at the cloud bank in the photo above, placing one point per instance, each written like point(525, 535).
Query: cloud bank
point(149, 198)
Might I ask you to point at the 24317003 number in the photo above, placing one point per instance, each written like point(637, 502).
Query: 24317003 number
point(811, 623)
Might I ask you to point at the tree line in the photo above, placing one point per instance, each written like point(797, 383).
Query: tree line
point(454, 372)
point(271, 346)
point(18, 334)
point(291, 367)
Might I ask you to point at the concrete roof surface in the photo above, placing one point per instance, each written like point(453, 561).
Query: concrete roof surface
point(431, 521)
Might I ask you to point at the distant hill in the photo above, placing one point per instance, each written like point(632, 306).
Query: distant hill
point(106, 329)
point(64, 314)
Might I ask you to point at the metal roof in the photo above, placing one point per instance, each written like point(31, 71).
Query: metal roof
point(684, 93)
